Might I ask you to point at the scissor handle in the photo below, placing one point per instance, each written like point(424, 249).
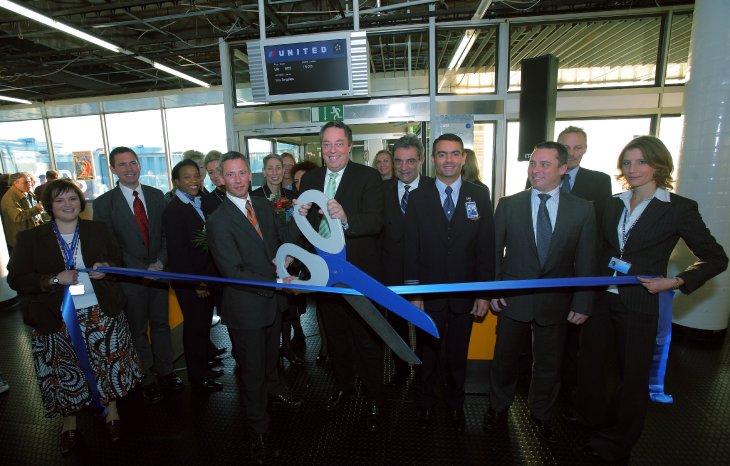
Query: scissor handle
point(336, 242)
point(318, 270)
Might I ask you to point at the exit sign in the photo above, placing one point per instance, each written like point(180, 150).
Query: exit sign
point(328, 113)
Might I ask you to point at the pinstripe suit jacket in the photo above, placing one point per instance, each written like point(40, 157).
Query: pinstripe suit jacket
point(650, 245)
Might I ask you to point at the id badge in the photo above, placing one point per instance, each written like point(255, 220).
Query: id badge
point(76, 290)
point(471, 210)
point(619, 265)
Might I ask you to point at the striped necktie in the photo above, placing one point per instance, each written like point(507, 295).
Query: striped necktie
point(251, 216)
point(329, 192)
point(404, 199)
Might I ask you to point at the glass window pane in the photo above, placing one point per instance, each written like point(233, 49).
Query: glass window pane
point(24, 148)
point(606, 138)
point(79, 152)
point(466, 60)
point(142, 132)
point(671, 130)
point(678, 55)
point(484, 149)
point(398, 63)
point(257, 150)
point(592, 53)
point(200, 128)
point(241, 75)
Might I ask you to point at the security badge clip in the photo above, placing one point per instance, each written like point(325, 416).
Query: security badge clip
point(471, 209)
point(619, 265)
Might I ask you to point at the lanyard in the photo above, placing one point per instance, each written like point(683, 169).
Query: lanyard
point(624, 232)
point(68, 250)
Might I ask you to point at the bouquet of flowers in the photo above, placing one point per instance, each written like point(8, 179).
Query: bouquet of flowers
point(283, 207)
point(200, 239)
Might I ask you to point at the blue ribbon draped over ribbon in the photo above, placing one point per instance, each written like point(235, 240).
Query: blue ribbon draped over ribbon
point(664, 331)
point(68, 311)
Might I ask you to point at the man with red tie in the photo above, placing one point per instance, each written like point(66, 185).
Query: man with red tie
point(134, 213)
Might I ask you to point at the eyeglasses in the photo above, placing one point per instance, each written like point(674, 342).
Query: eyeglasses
point(339, 145)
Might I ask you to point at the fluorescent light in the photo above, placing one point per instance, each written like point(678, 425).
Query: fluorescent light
point(177, 73)
point(13, 99)
point(21, 10)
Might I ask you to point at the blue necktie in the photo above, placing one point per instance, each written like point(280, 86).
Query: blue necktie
point(404, 199)
point(543, 230)
point(448, 204)
point(565, 185)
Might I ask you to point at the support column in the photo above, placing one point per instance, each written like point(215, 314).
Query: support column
point(704, 163)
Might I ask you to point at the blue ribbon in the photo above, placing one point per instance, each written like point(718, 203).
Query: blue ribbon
point(68, 311)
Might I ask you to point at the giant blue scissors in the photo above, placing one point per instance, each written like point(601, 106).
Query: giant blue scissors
point(329, 267)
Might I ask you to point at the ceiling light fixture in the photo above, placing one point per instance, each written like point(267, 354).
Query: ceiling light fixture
point(13, 99)
point(43, 19)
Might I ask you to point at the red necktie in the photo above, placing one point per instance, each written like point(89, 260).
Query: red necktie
point(141, 215)
point(252, 218)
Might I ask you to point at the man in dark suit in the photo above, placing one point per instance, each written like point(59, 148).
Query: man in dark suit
point(408, 160)
point(134, 213)
point(540, 233)
point(357, 201)
point(243, 237)
point(449, 238)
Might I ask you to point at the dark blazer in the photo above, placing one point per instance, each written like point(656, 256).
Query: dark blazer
point(361, 195)
point(651, 243)
point(211, 201)
point(239, 252)
point(37, 256)
point(391, 238)
point(112, 208)
point(439, 251)
point(572, 254)
point(180, 222)
point(590, 185)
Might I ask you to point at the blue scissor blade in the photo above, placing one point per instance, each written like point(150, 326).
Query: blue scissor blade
point(346, 273)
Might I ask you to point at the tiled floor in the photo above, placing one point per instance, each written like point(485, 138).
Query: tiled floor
point(187, 429)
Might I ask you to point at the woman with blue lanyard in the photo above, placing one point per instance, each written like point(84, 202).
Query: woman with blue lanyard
point(639, 230)
point(82, 350)
point(182, 221)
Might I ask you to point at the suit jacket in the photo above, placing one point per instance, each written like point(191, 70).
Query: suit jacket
point(211, 201)
point(439, 251)
point(651, 243)
point(593, 186)
point(18, 214)
point(112, 208)
point(572, 254)
point(180, 222)
point(391, 238)
point(239, 252)
point(37, 256)
point(361, 195)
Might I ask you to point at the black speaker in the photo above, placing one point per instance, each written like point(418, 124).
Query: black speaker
point(538, 97)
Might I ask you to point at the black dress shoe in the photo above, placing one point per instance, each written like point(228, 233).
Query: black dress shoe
point(215, 362)
point(494, 419)
point(545, 431)
point(220, 351)
point(425, 418)
point(171, 382)
point(289, 355)
point(69, 439)
point(588, 450)
point(569, 414)
point(336, 400)
point(375, 417)
point(288, 401)
point(114, 430)
point(262, 449)
point(323, 360)
point(214, 373)
point(151, 394)
point(207, 385)
point(458, 421)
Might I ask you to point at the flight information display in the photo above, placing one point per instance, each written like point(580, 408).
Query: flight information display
point(304, 67)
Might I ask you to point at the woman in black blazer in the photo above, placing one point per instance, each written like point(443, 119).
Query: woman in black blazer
point(181, 221)
point(43, 263)
point(640, 228)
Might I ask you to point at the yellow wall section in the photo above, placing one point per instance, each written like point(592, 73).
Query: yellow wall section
point(175, 317)
point(483, 336)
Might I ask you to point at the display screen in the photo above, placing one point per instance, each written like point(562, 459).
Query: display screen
point(304, 67)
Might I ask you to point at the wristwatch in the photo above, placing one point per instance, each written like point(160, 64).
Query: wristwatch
point(54, 280)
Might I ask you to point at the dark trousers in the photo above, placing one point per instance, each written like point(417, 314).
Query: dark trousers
point(258, 354)
point(402, 328)
point(547, 345)
point(147, 304)
point(355, 349)
point(635, 336)
point(455, 330)
point(197, 313)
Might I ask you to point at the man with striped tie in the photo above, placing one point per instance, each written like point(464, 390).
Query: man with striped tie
point(356, 199)
point(408, 161)
point(243, 236)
